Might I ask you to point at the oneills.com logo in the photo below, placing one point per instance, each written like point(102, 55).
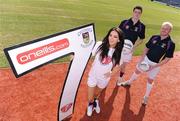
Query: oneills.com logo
point(42, 51)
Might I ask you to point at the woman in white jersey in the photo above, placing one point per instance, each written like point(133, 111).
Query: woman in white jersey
point(106, 63)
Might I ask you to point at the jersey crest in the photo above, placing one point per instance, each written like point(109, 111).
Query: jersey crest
point(106, 60)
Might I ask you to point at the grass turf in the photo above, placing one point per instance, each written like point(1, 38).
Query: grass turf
point(25, 20)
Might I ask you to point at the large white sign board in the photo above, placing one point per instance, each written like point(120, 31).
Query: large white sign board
point(28, 56)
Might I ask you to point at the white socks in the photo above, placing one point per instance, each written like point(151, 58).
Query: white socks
point(133, 77)
point(148, 89)
point(148, 86)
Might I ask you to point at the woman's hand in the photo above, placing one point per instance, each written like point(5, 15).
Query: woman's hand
point(108, 74)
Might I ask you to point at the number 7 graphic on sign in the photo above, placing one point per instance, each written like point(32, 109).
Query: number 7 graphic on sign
point(28, 56)
point(82, 54)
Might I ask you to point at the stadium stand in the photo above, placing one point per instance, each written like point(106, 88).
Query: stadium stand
point(175, 3)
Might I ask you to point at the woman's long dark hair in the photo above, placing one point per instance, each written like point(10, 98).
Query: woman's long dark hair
point(104, 47)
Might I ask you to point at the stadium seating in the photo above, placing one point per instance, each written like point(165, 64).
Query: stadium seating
point(175, 3)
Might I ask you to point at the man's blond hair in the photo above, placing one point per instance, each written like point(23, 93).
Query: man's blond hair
point(167, 23)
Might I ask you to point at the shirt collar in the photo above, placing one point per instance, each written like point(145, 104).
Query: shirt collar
point(166, 39)
point(138, 22)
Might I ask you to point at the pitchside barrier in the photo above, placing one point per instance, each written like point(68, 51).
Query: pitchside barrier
point(25, 57)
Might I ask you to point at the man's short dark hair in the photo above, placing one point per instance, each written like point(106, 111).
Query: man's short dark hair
point(138, 7)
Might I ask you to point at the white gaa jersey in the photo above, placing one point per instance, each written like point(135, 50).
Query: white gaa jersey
point(99, 68)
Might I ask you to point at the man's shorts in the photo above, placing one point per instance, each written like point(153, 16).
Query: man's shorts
point(127, 53)
point(93, 82)
point(152, 73)
point(126, 57)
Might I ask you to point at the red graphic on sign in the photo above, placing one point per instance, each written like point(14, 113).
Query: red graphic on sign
point(42, 51)
point(66, 107)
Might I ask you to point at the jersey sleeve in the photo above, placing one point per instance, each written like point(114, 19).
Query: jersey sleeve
point(149, 43)
point(170, 51)
point(95, 49)
point(122, 24)
point(142, 32)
